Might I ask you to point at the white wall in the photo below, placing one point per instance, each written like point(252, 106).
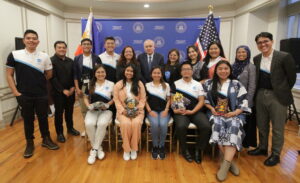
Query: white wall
point(15, 18)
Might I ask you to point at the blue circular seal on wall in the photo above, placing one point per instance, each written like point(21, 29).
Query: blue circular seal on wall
point(118, 41)
point(180, 27)
point(159, 42)
point(138, 27)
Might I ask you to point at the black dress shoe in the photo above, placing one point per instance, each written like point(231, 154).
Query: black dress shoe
point(48, 143)
point(272, 160)
point(29, 149)
point(198, 156)
point(257, 152)
point(187, 156)
point(73, 132)
point(61, 138)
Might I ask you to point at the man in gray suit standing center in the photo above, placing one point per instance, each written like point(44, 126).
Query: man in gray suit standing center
point(148, 60)
point(275, 77)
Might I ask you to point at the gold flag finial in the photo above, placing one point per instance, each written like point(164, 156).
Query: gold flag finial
point(210, 8)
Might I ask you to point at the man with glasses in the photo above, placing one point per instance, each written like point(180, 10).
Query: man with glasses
point(83, 71)
point(275, 77)
point(193, 113)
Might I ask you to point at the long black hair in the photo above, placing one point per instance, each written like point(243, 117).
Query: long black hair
point(204, 70)
point(216, 78)
point(94, 79)
point(177, 53)
point(122, 61)
point(195, 48)
point(135, 80)
point(162, 81)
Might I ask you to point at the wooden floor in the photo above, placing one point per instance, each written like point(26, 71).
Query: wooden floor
point(68, 164)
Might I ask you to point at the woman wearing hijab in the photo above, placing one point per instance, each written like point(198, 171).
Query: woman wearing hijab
point(244, 71)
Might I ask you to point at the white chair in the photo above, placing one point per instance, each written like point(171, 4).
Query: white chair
point(169, 134)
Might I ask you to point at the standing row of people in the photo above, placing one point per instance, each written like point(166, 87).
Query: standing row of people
point(221, 96)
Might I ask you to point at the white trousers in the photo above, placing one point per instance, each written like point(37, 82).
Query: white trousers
point(96, 123)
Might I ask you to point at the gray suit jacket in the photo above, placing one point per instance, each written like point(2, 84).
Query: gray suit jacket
point(283, 75)
point(247, 78)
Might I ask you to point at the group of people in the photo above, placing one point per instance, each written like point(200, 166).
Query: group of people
point(226, 102)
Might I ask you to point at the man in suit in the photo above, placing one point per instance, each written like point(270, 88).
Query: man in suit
point(149, 59)
point(63, 91)
point(275, 77)
point(83, 70)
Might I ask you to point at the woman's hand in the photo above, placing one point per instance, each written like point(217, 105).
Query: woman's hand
point(230, 114)
point(179, 111)
point(164, 113)
point(90, 107)
point(153, 114)
point(124, 112)
point(213, 111)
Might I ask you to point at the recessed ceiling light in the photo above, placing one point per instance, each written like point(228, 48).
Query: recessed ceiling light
point(146, 5)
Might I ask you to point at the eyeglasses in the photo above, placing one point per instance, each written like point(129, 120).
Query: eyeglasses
point(186, 69)
point(263, 42)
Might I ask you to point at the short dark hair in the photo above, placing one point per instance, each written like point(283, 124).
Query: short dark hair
point(30, 31)
point(186, 63)
point(264, 34)
point(60, 42)
point(86, 39)
point(109, 38)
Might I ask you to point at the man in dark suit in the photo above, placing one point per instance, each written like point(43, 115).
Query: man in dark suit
point(83, 70)
point(63, 92)
point(149, 59)
point(275, 77)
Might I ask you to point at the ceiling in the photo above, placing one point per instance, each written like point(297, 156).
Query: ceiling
point(137, 6)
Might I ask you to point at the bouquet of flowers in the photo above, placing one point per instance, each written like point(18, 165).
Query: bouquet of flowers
point(131, 107)
point(179, 101)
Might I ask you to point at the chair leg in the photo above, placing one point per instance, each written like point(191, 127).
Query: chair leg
point(109, 137)
point(213, 151)
point(116, 132)
point(177, 147)
point(171, 136)
point(147, 138)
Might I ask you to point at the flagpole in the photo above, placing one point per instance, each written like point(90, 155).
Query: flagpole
point(210, 9)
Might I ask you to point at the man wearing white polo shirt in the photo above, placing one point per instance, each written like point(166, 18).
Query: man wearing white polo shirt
point(32, 69)
point(109, 58)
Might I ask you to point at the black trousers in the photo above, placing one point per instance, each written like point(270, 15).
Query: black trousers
point(30, 106)
point(203, 126)
point(250, 130)
point(63, 104)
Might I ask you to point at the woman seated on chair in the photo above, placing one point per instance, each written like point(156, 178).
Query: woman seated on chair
point(158, 104)
point(130, 99)
point(226, 101)
point(98, 99)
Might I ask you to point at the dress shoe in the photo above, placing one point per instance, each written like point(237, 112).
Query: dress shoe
point(48, 143)
point(198, 156)
point(187, 156)
point(61, 138)
point(73, 132)
point(272, 160)
point(29, 149)
point(257, 152)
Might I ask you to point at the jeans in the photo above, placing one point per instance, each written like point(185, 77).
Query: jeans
point(159, 128)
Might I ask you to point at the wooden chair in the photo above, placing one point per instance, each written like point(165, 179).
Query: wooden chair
point(118, 136)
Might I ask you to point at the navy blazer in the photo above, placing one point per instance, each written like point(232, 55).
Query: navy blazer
point(78, 62)
point(157, 60)
point(283, 75)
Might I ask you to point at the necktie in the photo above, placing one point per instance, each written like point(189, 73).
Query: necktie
point(149, 62)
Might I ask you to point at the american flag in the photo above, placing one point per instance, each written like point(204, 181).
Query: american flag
point(207, 35)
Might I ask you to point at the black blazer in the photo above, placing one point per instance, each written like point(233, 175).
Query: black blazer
point(158, 59)
point(283, 75)
point(78, 62)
